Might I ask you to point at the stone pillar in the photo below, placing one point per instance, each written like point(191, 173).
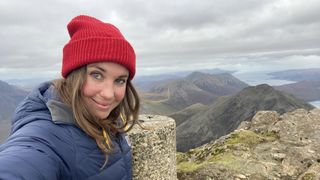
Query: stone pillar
point(154, 148)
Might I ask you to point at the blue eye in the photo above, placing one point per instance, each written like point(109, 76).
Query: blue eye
point(121, 81)
point(96, 75)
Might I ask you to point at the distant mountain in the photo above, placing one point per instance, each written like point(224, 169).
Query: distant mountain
point(5, 127)
point(145, 83)
point(220, 84)
point(298, 74)
point(155, 107)
point(197, 88)
point(306, 90)
point(226, 115)
point(184, 114)
point(10, 96)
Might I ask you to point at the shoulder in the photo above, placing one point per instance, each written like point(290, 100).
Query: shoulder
point(55, 140)
point(44, 129)
point(41, 148)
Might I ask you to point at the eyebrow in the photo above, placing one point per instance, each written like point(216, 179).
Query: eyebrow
point(123, 76)
point(98, 67)
point(103, 70)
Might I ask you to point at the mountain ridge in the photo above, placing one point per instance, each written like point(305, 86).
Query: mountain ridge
point(198, 88)
point(311, 74)
point(306, 89)
point(226, 115)
point(11, 95)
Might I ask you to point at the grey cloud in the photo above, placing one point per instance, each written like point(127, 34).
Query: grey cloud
point(185, 32)
point(182, 14)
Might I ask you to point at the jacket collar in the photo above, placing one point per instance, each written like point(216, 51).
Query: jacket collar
point(60, 112)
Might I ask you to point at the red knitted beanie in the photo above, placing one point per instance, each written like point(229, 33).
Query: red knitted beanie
point(95, 41)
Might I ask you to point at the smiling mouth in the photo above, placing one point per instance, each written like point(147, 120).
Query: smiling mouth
point(100, 105)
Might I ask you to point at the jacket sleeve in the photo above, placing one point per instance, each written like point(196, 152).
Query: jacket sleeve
point(34, 152)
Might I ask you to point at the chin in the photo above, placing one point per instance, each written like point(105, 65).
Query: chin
point(102, 116)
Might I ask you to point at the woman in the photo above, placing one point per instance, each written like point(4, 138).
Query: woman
point(74, 128)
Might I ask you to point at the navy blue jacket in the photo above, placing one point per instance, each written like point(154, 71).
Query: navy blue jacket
point(46, 144)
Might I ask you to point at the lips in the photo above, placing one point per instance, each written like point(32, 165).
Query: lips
point(102, 105)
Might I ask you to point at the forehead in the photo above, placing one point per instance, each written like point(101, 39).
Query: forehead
point(109, 67)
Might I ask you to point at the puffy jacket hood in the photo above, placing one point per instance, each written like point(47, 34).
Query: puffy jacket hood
point(45, 103)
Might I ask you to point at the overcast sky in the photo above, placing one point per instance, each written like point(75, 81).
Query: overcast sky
point(246, 35)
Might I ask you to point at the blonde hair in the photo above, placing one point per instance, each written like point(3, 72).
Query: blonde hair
point(121, 119)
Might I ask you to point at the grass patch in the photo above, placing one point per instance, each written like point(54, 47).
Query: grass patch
point(230, 161)
point(250, 138)
point(244, 137)
point(225, 159)
point(181, 157)
point(220, 154)
point(271, 136)
point(189, 166)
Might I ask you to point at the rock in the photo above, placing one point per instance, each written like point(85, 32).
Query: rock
point(240, 176)
point(313, 173)
point(278, 156)
point(263, 119)
point(154, 148)
point(269, 147)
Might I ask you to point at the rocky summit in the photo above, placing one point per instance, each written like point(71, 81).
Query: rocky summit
point(270, 146)
point(226, 115)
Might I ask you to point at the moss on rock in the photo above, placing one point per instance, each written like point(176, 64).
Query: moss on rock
point(189, 166)
point(309, 176)
point(250, 138)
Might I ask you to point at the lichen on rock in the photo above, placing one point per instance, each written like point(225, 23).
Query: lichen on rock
point(154, 148)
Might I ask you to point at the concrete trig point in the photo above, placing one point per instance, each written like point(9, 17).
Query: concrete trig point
point(154, 148)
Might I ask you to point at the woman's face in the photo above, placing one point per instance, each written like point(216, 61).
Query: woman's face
point(104, 87)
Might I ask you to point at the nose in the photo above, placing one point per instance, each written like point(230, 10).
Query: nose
point(107, 92)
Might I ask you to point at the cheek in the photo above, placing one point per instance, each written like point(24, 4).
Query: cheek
point(88, 90)
point(120, 93)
